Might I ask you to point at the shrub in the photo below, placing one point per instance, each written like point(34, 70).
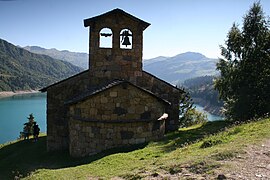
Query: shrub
point(192, 117)
point(210, 143)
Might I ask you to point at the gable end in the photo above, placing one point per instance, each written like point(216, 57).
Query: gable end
point(91, 21)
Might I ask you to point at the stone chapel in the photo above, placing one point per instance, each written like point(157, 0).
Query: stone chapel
point(114, 103)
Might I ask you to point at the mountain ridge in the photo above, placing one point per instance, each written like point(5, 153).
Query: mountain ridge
point(76, 58)
point(182, 66)
point(172, 69)
point(23, 70)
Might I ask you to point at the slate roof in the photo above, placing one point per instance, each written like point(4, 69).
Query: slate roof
point(59, 82)
point(93, 92)
point(174, 87)
point(90, 21)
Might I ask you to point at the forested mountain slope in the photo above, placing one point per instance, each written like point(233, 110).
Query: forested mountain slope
point(23, 70)
point(76, 58)
point(203, 93)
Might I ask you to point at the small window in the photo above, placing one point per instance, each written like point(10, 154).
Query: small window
point(105, 38)
point(126, 39)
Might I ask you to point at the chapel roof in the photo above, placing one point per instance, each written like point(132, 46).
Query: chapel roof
point(59, 82)
point(168, 84)
point(95, 91)
point(91, 21)
point(86, 71)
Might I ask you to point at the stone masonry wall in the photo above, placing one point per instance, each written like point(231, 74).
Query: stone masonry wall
point(121, 115)
point(57, 121)
point(87, 138)
point(117, 63)
point(121, 102)
point(165, 91)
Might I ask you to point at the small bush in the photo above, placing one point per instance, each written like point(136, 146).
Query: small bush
point(192, 117)
point(210, 143)
point(131, 176)
point(224, 155)
point(236, 130)
point(175, 169)
point(203, 167)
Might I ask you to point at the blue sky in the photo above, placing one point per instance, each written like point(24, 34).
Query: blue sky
point(177, 26)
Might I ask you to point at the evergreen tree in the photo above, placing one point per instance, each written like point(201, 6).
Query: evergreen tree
point(244, 82)
point(28, 127)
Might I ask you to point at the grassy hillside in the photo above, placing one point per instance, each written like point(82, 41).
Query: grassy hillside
point(191, 152)
point(22, 70)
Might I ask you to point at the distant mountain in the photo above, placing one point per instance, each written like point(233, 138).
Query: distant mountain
point(172, 69)
point(75, 58)
point(23, 70)
point(156, 59)
point(181, 67)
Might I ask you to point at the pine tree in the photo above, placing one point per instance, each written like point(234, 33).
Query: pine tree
point(244, 82)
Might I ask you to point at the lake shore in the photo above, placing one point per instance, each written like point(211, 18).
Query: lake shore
point(4, 94)
point(207, 106)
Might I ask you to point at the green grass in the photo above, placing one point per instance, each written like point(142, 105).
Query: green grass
point(199, 149)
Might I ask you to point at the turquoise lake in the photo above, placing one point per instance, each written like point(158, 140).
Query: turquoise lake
point(210, 117)
point(15, 110)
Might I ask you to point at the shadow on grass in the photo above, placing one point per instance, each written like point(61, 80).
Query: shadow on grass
point(23, 157)
point(184, 137)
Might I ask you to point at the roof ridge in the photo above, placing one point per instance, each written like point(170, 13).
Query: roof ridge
point(87, 22)
point(108, 85)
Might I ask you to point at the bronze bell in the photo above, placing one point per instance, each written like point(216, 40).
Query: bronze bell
point(126, 41)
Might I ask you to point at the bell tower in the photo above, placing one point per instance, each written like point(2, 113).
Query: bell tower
point(115, 46)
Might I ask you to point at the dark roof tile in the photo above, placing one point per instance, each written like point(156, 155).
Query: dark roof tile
point(59, 82)
point(89, 21)
point(97, 90)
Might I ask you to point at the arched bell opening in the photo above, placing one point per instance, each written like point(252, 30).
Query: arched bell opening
point(125, 39)
point(105, 38)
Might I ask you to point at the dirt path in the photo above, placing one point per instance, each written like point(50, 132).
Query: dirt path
point(254, 164)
